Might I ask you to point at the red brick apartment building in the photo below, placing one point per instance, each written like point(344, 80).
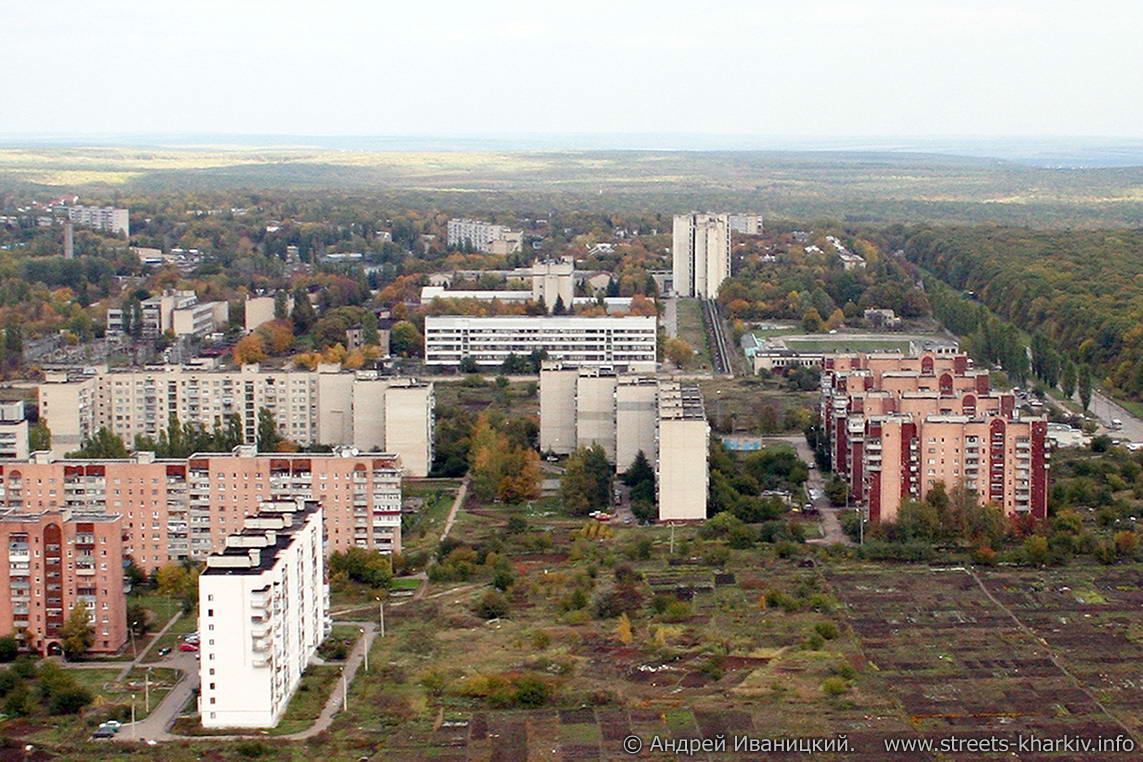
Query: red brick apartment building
point(898, 425)
point(57, 560)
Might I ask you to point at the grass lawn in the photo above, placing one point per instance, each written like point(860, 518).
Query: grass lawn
point(162, 607)
point(405, 583)
point(421, 531)
point(308, 700)
point(692, 330)
point(842, 345)
point(186, 624)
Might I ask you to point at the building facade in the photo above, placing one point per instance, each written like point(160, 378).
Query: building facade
point(626, 414)
point(479, 235)
point(263, 603)
point(183, 508)
point(898, 425)
point(102, 218)
point(681, 469)
point(13, 431)
point(700, 254)
point(553, 282)
point(627, 343)
point(325, 406)
point(53, 561)
point(747, 224)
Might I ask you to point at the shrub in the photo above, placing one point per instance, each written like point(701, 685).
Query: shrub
point(827, 630)
point(783, 600)
point(677, 611)
point(492, 605)
point(834, 686)
point(814, 642)
point(9, 648)
point(531, 691)
point(251, 749)
point(503, 579)
point(69, 700)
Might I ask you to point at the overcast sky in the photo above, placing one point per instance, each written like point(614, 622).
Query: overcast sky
point(374, 67)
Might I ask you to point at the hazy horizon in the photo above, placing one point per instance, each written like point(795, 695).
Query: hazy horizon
point(817, 69)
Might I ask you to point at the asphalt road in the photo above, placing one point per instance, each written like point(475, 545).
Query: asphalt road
point(1105, 409)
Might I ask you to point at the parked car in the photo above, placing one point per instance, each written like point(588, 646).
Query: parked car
point(164, 651)
point(113, 724)
point(102, 732)
point(185, 646)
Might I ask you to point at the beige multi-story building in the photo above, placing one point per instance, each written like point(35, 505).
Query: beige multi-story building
point(681, 470)
point(326, 406)
point(263, 603)
point(260, 310)
point(177, 312)
point(595, 410)
point(52, 561)
point(636, 414)
point(553, 281)
point(700, 254)
point(173, 509)
point(627, 414)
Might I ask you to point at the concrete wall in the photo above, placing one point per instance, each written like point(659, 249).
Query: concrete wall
point(595, 413)
point(558, 410)
point(682, 470)
point(636, 412)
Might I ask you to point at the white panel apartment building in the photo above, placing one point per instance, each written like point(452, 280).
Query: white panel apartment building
point(627, 343)
point(263, 602)
point(326, 406)
point(477, 234)
point(700, 254)
point(102, 218)
point(748, 224)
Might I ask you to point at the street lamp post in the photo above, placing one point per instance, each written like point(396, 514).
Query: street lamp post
point(381, 615)
point(344, 692)
point(131, 632)
point(134, 730)
point(147, 689)
point(365, 645)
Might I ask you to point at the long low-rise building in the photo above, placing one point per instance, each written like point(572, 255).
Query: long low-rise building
point(327, 406)
point(54, 561)
point(625, 343)
point(175, 509)
point(262, 609)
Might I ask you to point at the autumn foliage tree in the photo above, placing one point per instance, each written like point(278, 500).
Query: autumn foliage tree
point(501, 470)
point(249, 349)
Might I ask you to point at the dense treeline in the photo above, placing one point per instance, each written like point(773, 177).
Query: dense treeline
point(1081, 290)
point(780, 277)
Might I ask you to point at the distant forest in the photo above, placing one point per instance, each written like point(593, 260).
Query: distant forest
point(1081, 291)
